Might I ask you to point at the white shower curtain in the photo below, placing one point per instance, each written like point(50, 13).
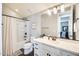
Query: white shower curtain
point(13, 35)
point(7, 36)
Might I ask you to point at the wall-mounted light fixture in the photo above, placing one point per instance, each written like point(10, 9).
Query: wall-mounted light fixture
point(56, 9)
point(49, 12)
point(62, 7)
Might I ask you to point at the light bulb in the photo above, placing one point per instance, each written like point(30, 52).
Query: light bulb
point(16, 9)
point(49, 12)
point(62, 8)
point(54, 10)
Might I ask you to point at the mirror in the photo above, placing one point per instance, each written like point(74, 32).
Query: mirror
point(65, 26)
point(59, 25)
point(49, 24)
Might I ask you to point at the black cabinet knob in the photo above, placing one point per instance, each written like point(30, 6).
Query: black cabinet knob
point(48, 54)
point(25, 33)
point(25, 36)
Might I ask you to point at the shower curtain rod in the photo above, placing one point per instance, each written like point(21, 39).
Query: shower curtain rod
point(14, 17)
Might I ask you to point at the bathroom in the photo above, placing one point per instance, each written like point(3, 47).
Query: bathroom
point(29, 27)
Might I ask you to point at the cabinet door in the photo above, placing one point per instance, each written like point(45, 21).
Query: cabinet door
point(37, 52)
point(54, 51)
point(66, 53)
point(41, 49)
point(60, 52)
point(38, 49)
point(37, 45)
point(46, 50)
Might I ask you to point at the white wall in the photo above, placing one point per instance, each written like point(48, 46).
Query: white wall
point(0, 29)
point(77, 23)
point(35, 19)
point(43, 21)
point(77, 10)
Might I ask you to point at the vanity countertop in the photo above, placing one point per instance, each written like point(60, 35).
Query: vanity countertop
point(69, 45)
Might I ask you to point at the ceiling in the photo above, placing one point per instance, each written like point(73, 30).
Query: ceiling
point(27, 9)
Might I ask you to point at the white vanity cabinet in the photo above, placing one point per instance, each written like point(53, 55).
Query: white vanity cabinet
point(41, 49)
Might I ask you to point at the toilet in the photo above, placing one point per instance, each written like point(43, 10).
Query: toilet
point(28, 47)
